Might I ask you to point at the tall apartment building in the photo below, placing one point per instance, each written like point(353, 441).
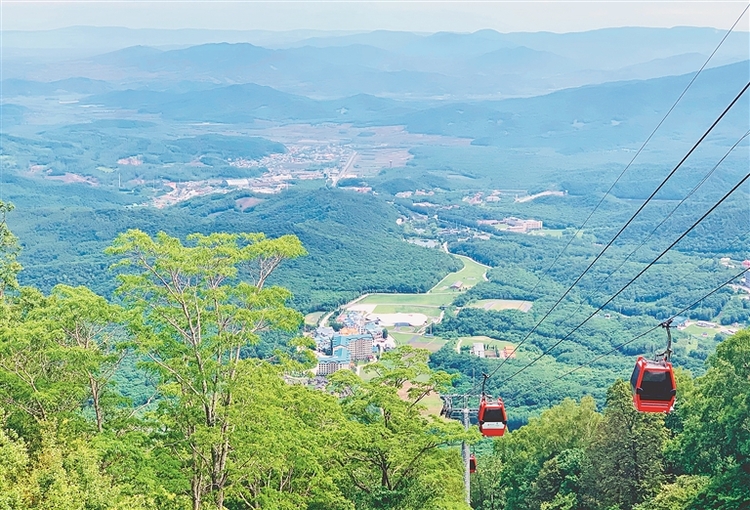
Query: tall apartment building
point(359, 346)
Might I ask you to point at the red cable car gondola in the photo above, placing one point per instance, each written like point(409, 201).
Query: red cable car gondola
point(654, 388)
point(492, 418)
point(472, 464)
point(653, 385)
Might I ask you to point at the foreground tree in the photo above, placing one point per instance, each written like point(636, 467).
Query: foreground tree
point(193, 308)
point(393, 456)
point(9, 250)
point(58, 355)
point(286, 443)
point(541, 463)
point(716, 436)
point(627, 464)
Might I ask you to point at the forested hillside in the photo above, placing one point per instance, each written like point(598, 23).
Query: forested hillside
point(198, 211)
point(222, 429)
point(575, 457)
point(353, 241)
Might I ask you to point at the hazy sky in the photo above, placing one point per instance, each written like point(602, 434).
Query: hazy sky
point(464, 16)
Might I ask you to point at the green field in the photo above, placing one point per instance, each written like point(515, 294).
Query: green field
point(429, 304)
point(430, 311)
point(431, 343)
point(433, 403)
point(698, 331)
point(502, 304)
point(311, 319)
point(437, 299)
point(471, 274)
point(402, 338)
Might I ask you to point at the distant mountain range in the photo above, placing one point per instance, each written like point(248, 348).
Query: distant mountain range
point(593, 117)
point(484, 64)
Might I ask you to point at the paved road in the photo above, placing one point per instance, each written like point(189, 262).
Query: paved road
point(335, 179)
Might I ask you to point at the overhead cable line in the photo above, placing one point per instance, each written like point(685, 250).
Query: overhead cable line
point(689, 194)
point(632, 280)
point(641, 335)
point(643, 146)
point(622, 229)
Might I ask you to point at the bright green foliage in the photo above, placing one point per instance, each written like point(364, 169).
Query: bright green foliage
point(13, 462)
point(9, 250)
point(715, 440)
point(677, 495)
point(87, 327)
point(191, 315)
point(717, 417)
point(391, 454)
point(64, 473)
point(487, 486)
point(39, 378)
point(286, 443)
point(626, 457)
point(559, 482)
point(58, 353)
point(543, 458)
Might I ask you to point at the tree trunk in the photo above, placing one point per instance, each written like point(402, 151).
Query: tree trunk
point(97, 407)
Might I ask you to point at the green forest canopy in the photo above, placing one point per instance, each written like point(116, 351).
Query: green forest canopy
point(227, 431)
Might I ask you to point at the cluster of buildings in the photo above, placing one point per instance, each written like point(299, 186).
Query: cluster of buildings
point(298, 157)
point(478, 349)
point(729, 263)
point(418, 193)
point(513, 224)
point(359, 339)
point(479, 198)
point(299, 162)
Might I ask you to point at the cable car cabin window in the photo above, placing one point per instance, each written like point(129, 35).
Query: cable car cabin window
point(494, 415)
point(656, 385)
point(634, 377)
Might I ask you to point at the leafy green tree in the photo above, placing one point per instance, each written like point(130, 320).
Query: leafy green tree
point(716, 419)
point(88, 327)
point(9, 250)
point(626, 459)
point(38, 377)
point(487, 490)
point(677, 495)
point(543, 459)
point(59, 353)
point(193, 308)
point(717, 414)
point(13, 462)
point(286, 440)
point(393, 456)
point(558, 484)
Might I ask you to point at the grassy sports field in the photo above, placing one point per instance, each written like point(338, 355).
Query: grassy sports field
point(471, 274)
point(430, 311)
point(502, 304)
point(311, 319)
point(436, 300)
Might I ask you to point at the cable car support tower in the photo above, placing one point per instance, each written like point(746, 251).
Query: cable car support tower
point(463, 414)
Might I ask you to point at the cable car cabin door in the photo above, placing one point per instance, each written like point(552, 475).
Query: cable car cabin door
point(653, 386)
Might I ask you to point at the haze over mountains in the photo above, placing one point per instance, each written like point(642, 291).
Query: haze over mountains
point(115, 110)
point(484, 64)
